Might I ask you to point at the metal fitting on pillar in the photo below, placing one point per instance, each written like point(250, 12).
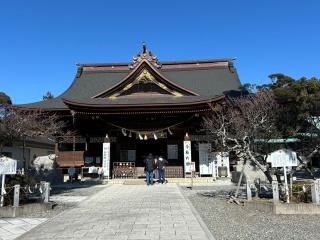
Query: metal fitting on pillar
point(107, 139)
point(187, 137)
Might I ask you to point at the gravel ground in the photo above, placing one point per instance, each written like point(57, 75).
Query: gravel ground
point(230, 221)
point(76, 191)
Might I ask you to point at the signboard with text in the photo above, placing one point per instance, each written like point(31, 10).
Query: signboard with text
point(187, 156)
point(172, 151)
point(205, 160)
point(283, 157)
point(8, 166)
point(106, 159)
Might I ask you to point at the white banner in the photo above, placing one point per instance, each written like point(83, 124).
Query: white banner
point(187, 156)
point(106, 159)
point(8, 166)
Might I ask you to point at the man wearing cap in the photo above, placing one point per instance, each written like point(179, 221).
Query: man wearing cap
point(161, 165)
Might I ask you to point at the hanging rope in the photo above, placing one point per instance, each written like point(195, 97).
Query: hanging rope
point(150, 131)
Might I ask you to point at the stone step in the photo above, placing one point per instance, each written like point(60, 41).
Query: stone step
point(202, 180)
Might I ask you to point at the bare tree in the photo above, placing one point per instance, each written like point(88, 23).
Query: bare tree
point(17, 124)
point(235, 124)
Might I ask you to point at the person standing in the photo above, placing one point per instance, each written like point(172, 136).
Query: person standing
point(100, 172)
point(71, 173)
point(161, 165)
point(149, 167)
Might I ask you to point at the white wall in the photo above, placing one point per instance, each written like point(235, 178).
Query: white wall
point(17, 153)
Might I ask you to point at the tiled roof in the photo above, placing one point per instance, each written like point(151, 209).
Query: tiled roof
point(208, 79)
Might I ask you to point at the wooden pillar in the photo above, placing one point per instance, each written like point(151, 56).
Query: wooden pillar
point(56, 148)
point(73, 149)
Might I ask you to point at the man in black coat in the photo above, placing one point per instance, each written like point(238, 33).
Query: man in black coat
point(149, 167)
point(161, 165)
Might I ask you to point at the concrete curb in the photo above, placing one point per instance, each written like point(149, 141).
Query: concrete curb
point(13, 212)
point(198, 217)
point(284, 208)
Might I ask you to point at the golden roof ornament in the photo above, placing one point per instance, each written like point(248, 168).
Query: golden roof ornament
point(145, 54)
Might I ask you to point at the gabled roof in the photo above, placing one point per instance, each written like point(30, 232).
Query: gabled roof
point(196, 80)
point(149, 74)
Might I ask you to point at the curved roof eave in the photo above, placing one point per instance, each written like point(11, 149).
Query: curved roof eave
point(107, 104)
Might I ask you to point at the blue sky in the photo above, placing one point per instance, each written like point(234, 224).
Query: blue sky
point(41, 41)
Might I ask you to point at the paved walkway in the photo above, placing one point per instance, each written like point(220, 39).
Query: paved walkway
point(126, 212)
point(11, 228)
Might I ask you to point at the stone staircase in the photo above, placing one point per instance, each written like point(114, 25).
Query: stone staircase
point(180, 181)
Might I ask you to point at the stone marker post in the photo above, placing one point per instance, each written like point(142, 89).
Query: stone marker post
point(249, 193)
point(275, 191)
point(315, 191)
point(16, 195)
point(46, 192)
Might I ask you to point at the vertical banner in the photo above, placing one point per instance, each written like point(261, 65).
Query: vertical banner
point(187, 156)
point(106, 159)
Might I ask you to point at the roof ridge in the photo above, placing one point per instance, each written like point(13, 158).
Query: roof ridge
point(162, 62)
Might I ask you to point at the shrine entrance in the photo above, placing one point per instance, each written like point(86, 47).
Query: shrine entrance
point(120, 112)
point(155, 147)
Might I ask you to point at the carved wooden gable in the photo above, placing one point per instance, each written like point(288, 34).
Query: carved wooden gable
point(145, 80)
point(145, 83)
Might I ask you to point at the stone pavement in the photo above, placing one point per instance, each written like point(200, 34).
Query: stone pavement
point(67, 199)
point(125, 212)
point(11, 228)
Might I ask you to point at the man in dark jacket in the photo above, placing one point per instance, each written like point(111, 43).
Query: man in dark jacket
point(161, 165)
point(149, 167)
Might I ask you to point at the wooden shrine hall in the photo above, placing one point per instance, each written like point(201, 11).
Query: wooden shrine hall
point(121, 112)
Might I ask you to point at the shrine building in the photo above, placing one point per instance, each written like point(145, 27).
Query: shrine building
point(121, 112)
